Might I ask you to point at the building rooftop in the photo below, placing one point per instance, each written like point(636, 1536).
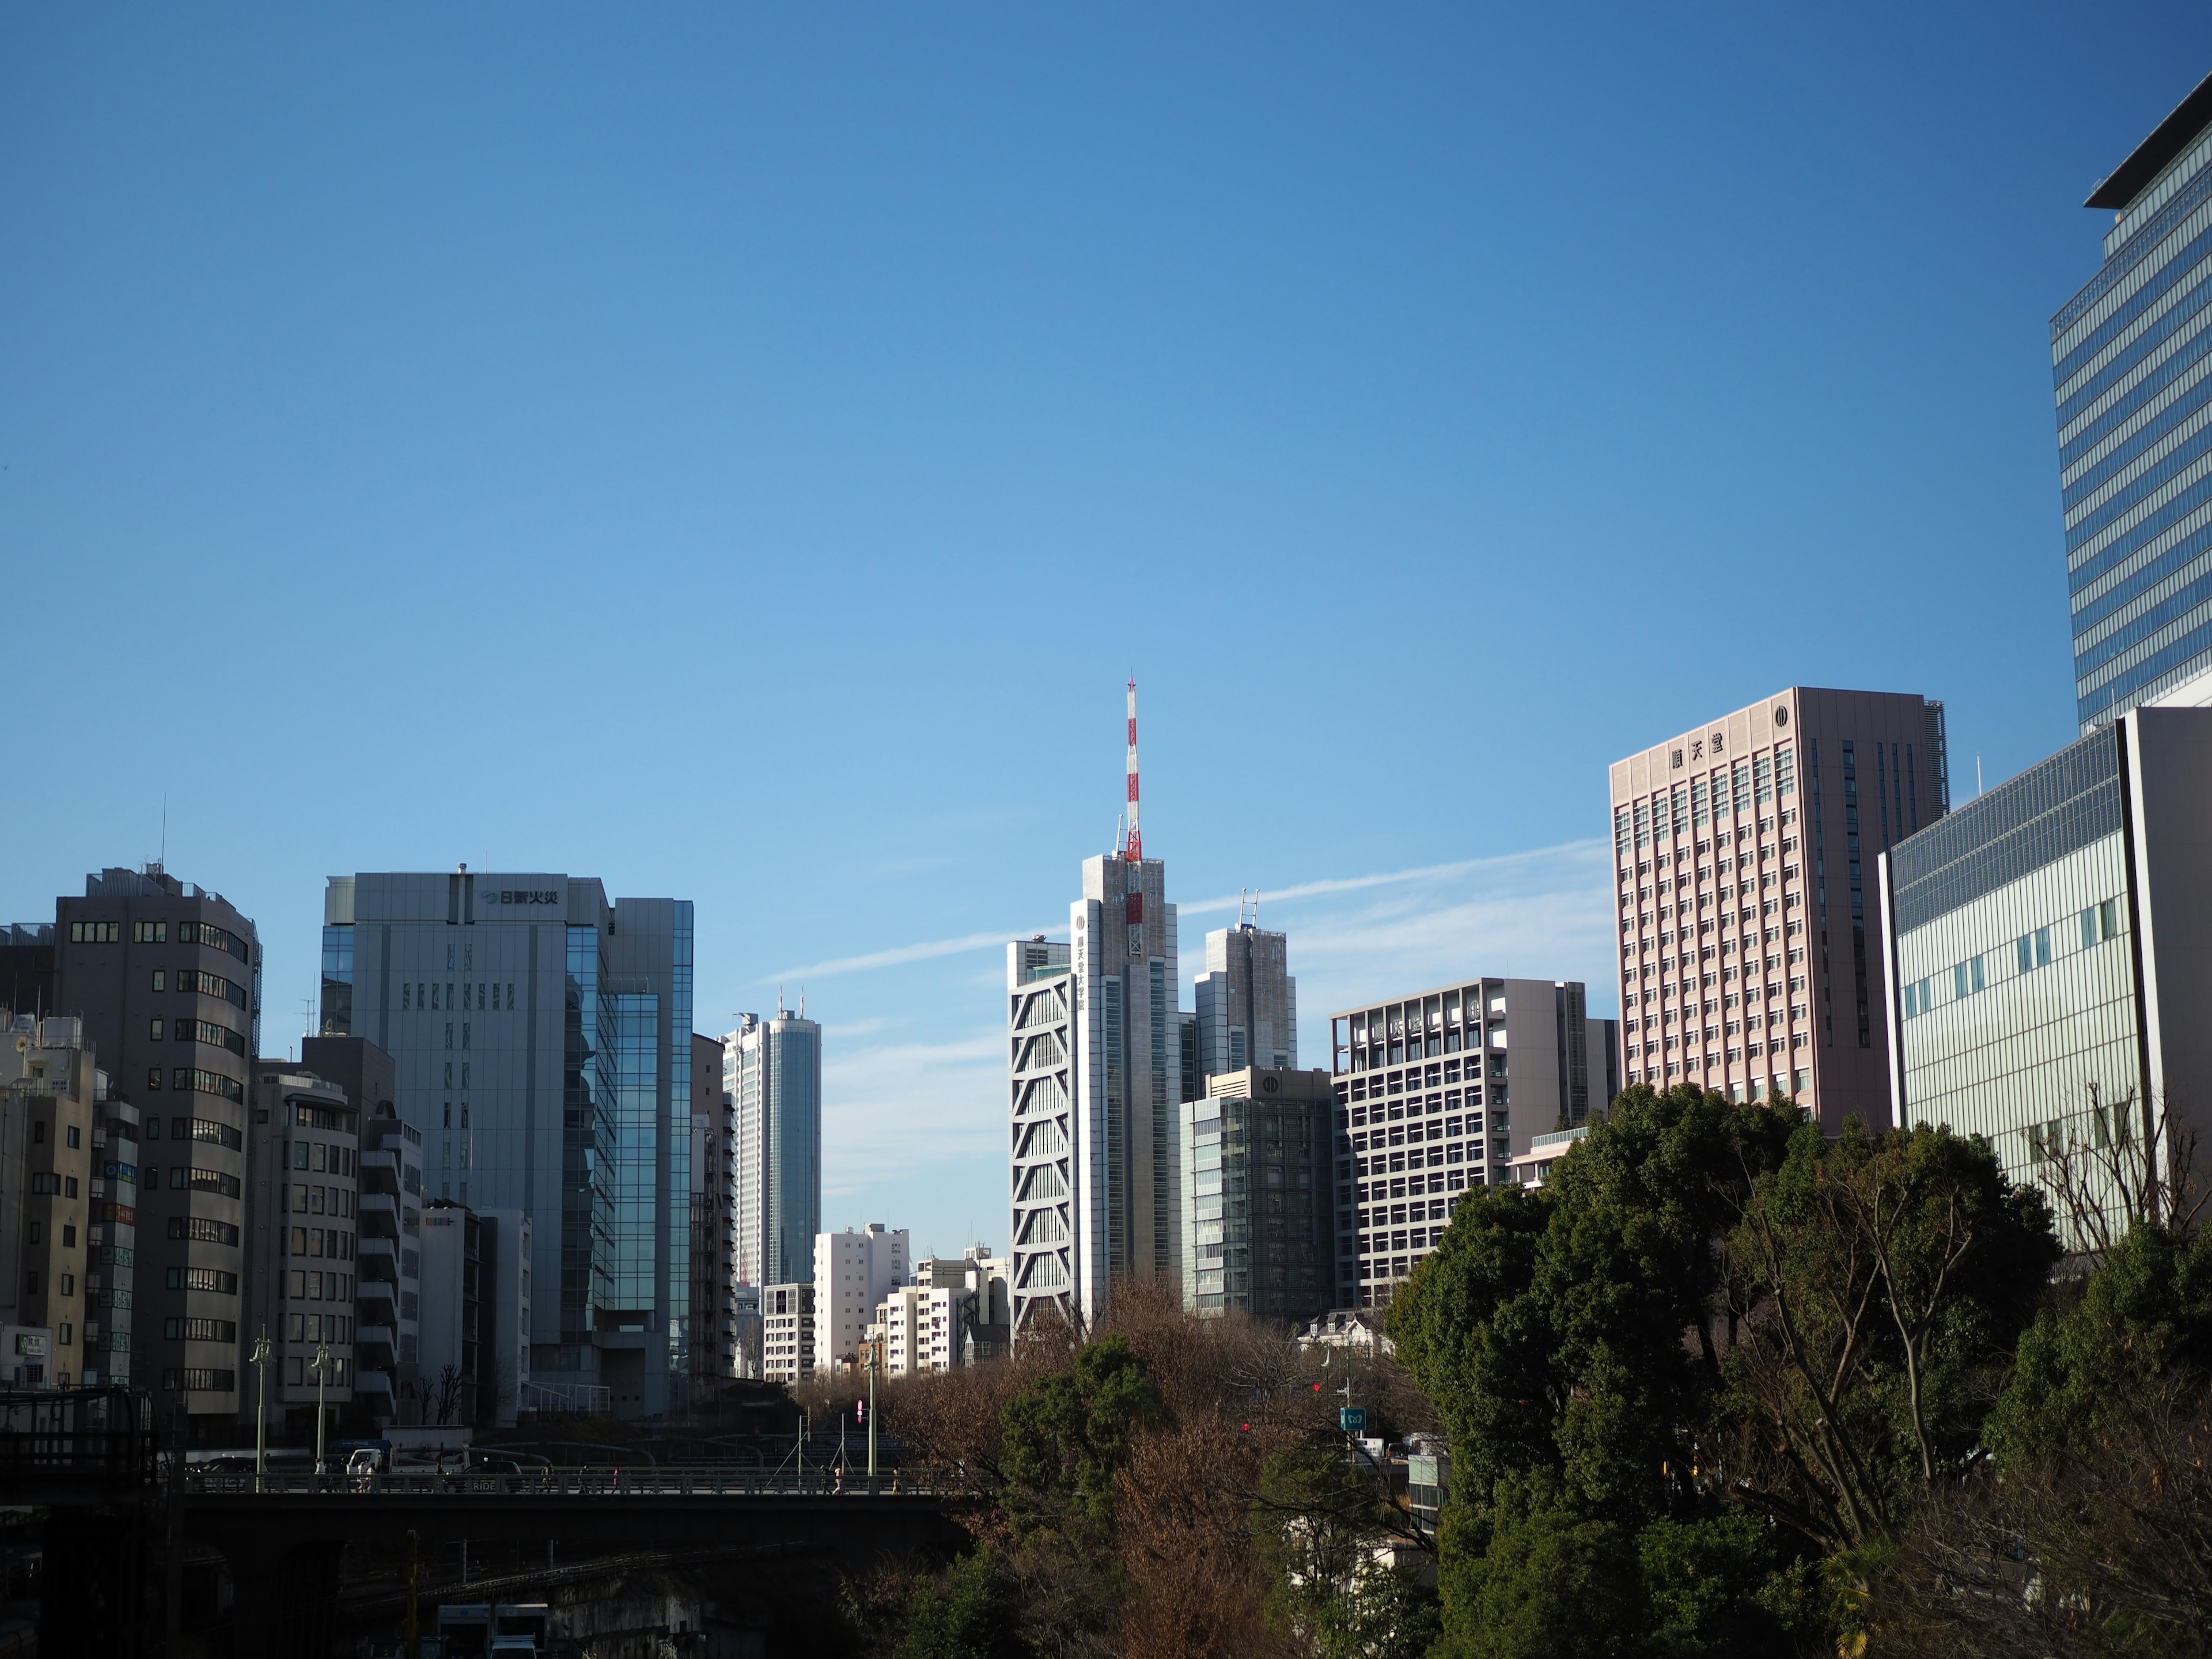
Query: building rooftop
point(2125, 182)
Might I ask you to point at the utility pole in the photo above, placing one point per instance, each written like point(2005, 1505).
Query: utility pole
point(875, 1351)
point(322, 1379)
point(261, 1407)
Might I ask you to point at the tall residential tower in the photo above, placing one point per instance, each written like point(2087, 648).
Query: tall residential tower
point(772, 1070)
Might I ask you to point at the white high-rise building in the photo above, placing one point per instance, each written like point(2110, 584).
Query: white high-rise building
point(955, 1313)
point(1096, 1081)
point(772, 1070)
point(1247, 1003)
point(852, 1272)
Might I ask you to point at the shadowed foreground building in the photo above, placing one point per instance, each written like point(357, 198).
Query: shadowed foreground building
point(1259, 1211)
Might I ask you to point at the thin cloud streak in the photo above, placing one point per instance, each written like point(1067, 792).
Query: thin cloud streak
point(892, 958)
point(1426, 872)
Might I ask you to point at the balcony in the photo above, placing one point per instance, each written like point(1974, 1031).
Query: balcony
point(379, 1258)
point(374, 1344)
point(373, 1389)
point(382, 1207)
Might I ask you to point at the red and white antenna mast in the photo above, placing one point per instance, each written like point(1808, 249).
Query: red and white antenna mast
point(1136, 847)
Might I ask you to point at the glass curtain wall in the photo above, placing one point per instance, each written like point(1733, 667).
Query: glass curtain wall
point(336, 1016)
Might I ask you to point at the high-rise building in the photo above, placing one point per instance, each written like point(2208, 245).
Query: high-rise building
point(1744, 853)
point(388, 1297)
point(1259, 1213)
point(1096, 1081)
point(49, 1113)
point(2132, 369)
point(541, 1044)
point(713, 1215)
point(853, 1271)
point(301, 1256)
point(1247, 1003)
point(361, 1073)
point(1437, 1092)
point(787, 1314)
point(166, 979)
point(2048, 943)
point(772, 1070)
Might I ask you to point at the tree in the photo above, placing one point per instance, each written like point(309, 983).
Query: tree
point(1069, 1433)
point(445, 1399)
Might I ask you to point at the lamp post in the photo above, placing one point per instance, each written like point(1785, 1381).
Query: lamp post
point(322, 1379)
point(875, 1350)
point(261, 1406)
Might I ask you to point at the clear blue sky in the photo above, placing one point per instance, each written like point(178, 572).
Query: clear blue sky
point(740, 452)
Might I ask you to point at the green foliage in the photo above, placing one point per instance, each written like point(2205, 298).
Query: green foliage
point(967, 1612)
point(1068, 1435)
point(1384, 1615)
point(1311, 1523)
point(2141, 1335)
point(1629, 1365)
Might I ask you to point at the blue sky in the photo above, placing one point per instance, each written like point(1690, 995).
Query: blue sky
point(740, 452)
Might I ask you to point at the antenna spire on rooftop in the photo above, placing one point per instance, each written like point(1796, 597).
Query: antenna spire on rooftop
point(1135, 851)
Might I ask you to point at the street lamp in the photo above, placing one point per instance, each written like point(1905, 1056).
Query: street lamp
point(322, 1368)
point(261, 1407)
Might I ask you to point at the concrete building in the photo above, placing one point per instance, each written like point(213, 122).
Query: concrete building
point(772, 1070)
point(1259, 1211)
point(786, 1313)
point(112, 1253)
point(2051, 943)
point(49, 1108)
point(2132, 384)
point(1533, 1168)
point(300, 1257)
point(958, 1311)
point(1433, 1098)
point(1744, 853)
point(1247, 1003)
point(1041, 1082)
point(541, 1045)
point(165, 977)
point(714, 1216)
point(852, 1272)
point(389, 1255)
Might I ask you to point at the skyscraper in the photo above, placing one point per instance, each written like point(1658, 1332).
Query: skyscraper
point(1247, 1003)
point(2131, 367)
point(166, 977)
point(772, 1069)
point(1750, 937)
point(541, 1043)
point(1095, 1131)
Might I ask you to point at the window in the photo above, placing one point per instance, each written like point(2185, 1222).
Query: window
point(160, 979)
point(69, 1288)
point(201, 1379)
point(69, 1240)
point(207, 1031)
point(95, 932)
point(153, 1077)
point(209, 1083)
point(210, 1279)
point(156, 1029)
point(201, 1330)
point(1974, 974)
point(215, 1134)
point(150, 933)
point(218, 939)
point(200, 1230)
point(192, 982)
point(2024, 949)
point(76, 1135)
point(2042, 947)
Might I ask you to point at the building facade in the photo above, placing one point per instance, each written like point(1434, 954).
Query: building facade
point(1041, 1085)
point(542, 1046)
point(2052, 945)
point(787, 1315)
point(1259, 1219)
point(301, 1256)
point(1247, 1003)
point(955, 1313)
point(2131, 371)
point(713, 1215)
point(388, 1251)
point(852, 1272)
point(166, 977)
point(1744, 853)
point(49, 1112)
point(1436, 1092)
point(772, 1070)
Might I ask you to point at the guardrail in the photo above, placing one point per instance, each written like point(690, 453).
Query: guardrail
point(596, 1482)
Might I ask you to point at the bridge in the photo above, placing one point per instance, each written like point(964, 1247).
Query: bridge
point(283, 1535)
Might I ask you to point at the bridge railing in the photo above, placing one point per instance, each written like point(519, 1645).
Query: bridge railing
point(95, 1437)
point(707, 1481)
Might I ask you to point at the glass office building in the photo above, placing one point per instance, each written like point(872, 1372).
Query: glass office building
point(541, 1043)
point(2131, 362)
point(2051, 944)
point(1260, 1230)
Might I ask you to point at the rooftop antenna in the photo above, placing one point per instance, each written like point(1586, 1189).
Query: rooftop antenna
point(164, 864)
point(1977, 777)
point(1136, 849)
point(778, 1000)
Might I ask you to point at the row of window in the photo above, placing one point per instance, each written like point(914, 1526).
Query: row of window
point(305, 1116)
point(1728, 791)
point(95, 932)
point(318, 1328)
point(213, 1280)
point(2095, 925)
point(192, 1179)
point(305, 1285)
point(202, 1230)
point(198, 1379)
point(1443, 1129)
point(334, 1242)
point(197, 1030)
point(1413, 1107)
point(203, 1129)
point(157, 933)
point(190, 1077)
point(299, 1371)
point(200, 1330)
point(53, 1186)
point(322, 1157)
point(194, 983)
point(312, 1200)
point(429, 998)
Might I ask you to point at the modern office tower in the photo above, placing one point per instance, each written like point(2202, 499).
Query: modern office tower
point(48, 1111)
point(166, 979)
point(853, 1271)
point(772, 1070)
point(1744, 853)
point(1260, 1215)
point(1428, 1105)
point(1041, 1081)
point(388, 1251)
point(303, 1173)
point(1247, 1003)
point(2048, 940)
point(787, 1332)
point(541, 1042)
point(2133, 382)
point(713, 1215)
